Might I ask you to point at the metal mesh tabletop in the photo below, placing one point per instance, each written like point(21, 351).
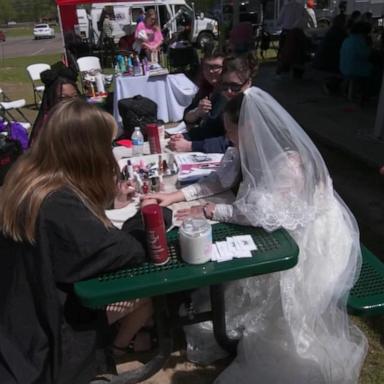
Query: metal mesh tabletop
point(276, 251)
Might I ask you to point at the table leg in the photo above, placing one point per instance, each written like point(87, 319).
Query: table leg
point(165, 348)
point(218, 319)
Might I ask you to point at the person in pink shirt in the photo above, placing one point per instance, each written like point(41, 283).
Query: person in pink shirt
point(148, 35)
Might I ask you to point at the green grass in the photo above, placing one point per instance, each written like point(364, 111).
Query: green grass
point(13, 70)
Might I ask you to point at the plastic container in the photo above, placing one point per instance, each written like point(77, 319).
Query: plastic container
point(195, 237)
point(155, 233)
point(137, 139)
point(153, 138)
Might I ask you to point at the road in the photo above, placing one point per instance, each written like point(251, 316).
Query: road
point(27, 46)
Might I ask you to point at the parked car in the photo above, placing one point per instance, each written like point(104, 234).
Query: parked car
point(41, 31)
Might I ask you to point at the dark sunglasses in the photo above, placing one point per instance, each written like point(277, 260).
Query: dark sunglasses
point(233, 87)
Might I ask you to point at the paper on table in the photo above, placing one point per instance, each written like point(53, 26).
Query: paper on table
point(180, 128)
point(195, 165)
point(245, 242)
point(235, 250)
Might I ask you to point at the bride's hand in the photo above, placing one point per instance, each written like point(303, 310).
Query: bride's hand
point(195, 211)
point(165, 199)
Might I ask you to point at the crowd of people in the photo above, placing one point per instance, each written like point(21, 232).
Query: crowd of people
point(54, 230)
point(348, 53)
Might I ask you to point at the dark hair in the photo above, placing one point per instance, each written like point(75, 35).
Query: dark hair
point(211, 52)
point(244, 65)
point(361, 28)
point(339, 21)
point(233, 108)
point(355, 14)
point(53, 79)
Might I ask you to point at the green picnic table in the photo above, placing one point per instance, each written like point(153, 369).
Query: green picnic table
point(276, 251)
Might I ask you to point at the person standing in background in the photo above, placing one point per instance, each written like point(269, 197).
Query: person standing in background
point(293, 42)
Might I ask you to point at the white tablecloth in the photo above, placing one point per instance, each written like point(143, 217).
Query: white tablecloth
point(171, 93)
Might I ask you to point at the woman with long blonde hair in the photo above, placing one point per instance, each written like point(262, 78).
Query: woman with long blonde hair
point(53, 233)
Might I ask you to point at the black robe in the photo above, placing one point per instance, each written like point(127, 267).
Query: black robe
point(46, 336)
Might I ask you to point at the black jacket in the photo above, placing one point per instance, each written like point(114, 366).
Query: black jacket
point(46, 336)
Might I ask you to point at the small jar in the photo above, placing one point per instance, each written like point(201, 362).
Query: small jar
point(195, 236)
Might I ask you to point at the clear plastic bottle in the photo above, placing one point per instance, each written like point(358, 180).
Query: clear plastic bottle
point(137, 139)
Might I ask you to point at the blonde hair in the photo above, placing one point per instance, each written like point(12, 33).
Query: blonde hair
point(74, 151)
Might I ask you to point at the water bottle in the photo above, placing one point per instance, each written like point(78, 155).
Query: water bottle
point(137, 142)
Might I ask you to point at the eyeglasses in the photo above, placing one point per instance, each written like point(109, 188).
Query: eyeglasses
point(232, 87)
point(213, 67)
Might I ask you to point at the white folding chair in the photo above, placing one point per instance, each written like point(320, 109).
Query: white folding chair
point(34, 72)
point(87, 65)
point(8, 107)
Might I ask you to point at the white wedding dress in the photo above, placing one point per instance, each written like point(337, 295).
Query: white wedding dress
point(293, 325)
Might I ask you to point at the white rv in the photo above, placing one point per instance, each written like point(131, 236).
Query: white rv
point(170, 15)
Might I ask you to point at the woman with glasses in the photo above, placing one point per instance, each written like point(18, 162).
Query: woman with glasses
point(209, 136)
point(293, 326)
point(209, 79)
point(60, 83)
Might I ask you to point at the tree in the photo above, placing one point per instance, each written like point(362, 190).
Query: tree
point(7, 12)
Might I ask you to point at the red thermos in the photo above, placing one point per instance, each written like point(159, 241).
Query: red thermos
point(155, 232)
point(153, 138)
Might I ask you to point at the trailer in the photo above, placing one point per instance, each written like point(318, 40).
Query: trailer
point(78, 18)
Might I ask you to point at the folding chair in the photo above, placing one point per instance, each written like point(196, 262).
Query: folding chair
point(87, 65)
point(8, 107)
point(34, 72)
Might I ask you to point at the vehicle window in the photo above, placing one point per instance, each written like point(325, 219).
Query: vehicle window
point(41, 26)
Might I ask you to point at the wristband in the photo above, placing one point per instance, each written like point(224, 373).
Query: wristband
point(207, 216)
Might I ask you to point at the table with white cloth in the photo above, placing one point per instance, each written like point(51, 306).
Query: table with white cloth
point(171, 93)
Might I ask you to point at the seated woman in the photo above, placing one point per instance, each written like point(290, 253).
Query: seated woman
point(202, 115)
point(236, 78)
point(126, 42)
point(54, 233)
point(60, 83)
point(148, 36)
point(293, 325)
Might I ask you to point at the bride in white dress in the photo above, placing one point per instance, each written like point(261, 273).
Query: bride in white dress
point(294, 325)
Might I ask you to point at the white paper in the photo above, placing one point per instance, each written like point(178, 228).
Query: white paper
point(215, 253)
point(180, 128)
point(224, 254)
point(235, 250)
point(245, 242)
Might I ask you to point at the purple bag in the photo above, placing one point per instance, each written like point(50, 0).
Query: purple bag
point(16, 132)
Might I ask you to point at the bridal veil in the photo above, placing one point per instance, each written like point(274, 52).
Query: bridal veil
point(294, 323)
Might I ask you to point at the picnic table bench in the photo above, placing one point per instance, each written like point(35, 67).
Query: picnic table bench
point(366, 298)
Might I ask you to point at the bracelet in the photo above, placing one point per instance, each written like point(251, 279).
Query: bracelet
point(206, 213)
